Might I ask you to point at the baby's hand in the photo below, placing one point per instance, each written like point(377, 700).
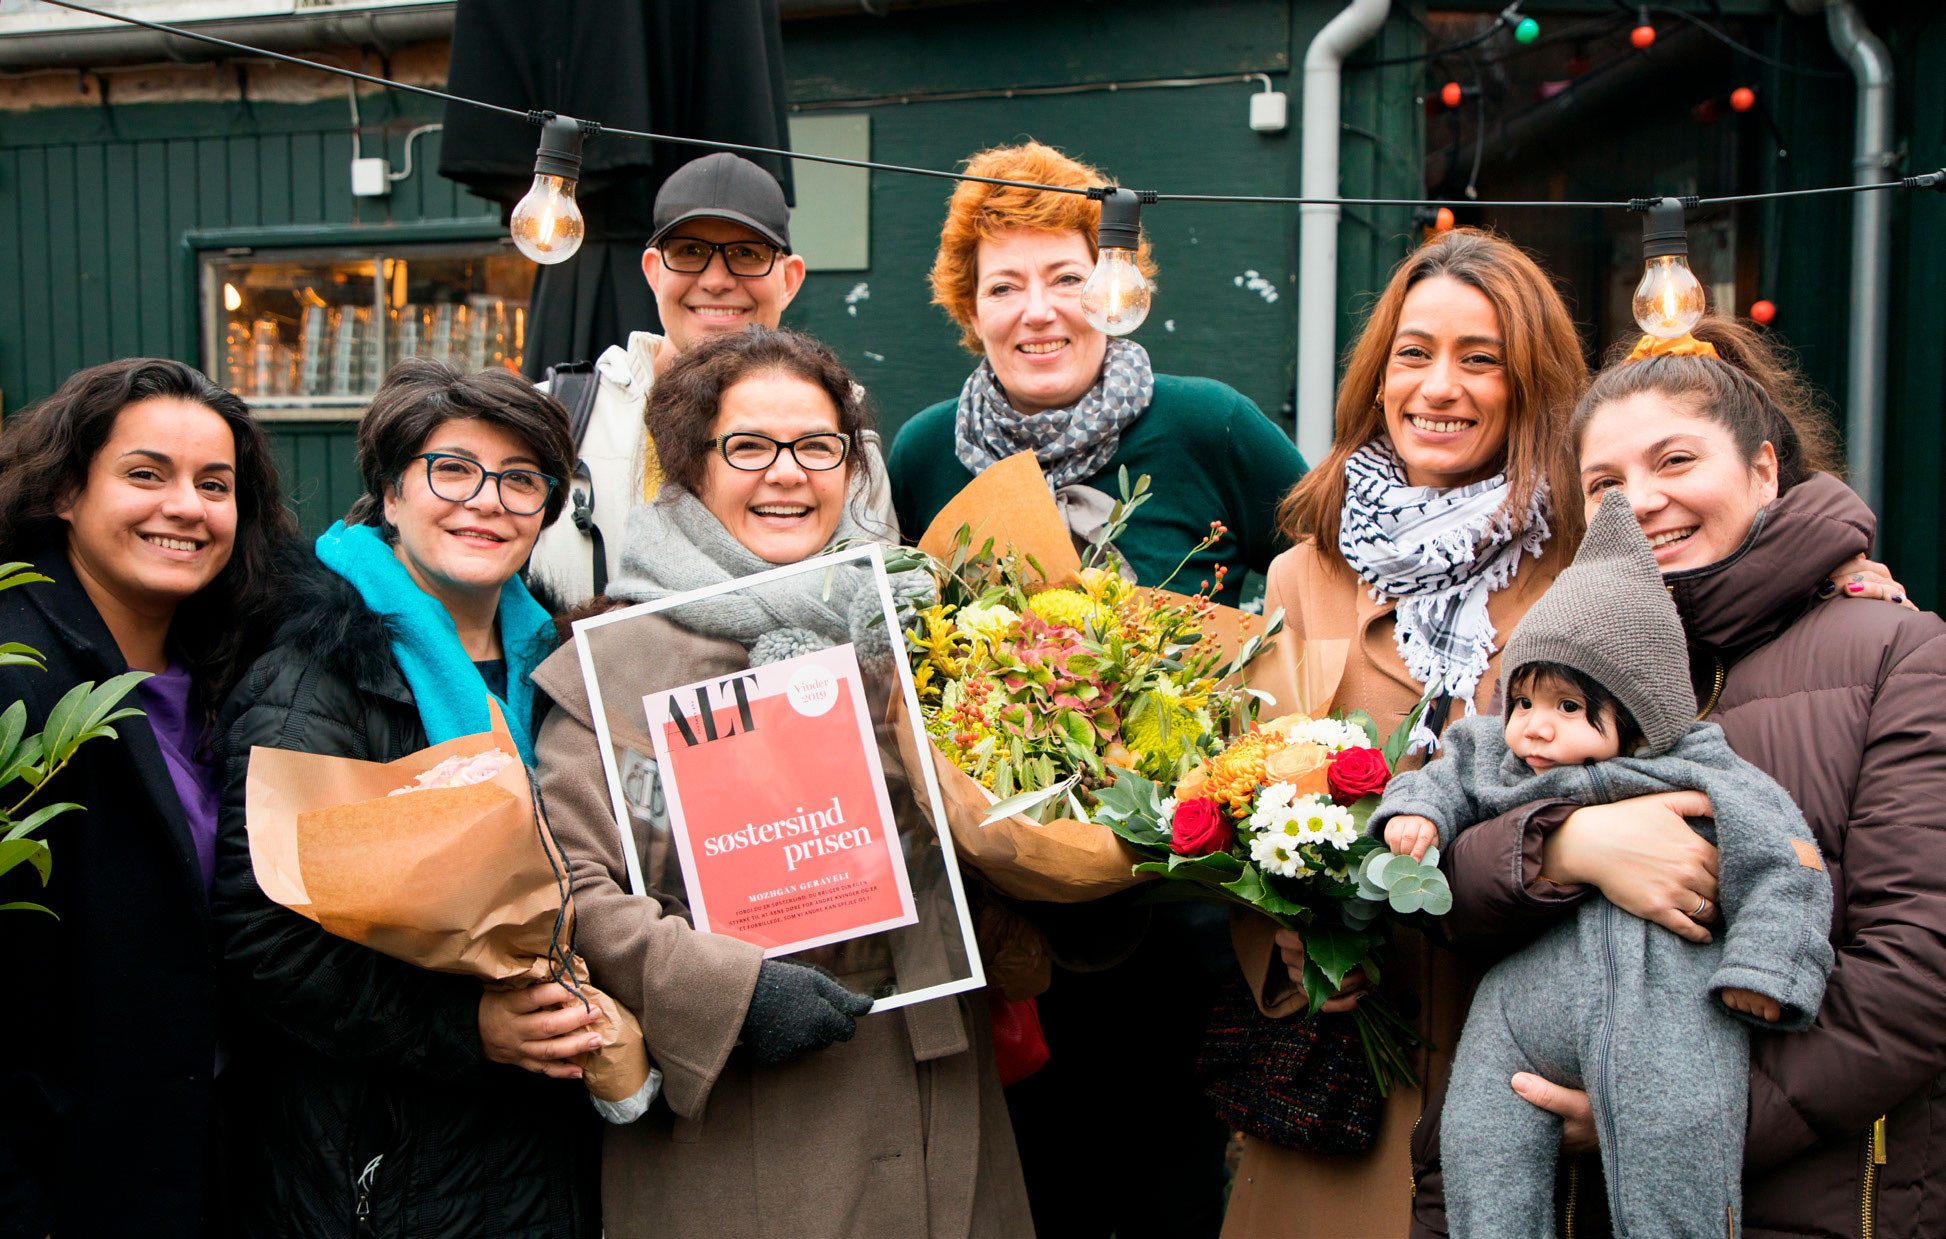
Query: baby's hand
point(1410, 833)
point(1750, 1002)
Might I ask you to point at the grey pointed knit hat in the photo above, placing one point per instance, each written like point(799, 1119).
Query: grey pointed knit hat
point(1609, 616)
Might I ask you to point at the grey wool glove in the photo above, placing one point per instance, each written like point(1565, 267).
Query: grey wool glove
point(795, 1010)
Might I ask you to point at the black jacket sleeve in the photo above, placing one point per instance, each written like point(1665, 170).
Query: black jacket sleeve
point(334, 996)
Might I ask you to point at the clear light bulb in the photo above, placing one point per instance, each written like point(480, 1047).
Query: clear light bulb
point(1669, 300)
point(547, 225)
point(1115, 299)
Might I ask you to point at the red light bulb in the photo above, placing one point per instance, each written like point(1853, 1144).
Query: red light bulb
point(1643, 37)
point(1443, 219)
point(1450, 94)
point(1763, 312)
point(1742, 99)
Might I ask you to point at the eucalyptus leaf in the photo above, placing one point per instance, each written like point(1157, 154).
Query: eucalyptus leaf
point(1439, 901)
point(1407, 897)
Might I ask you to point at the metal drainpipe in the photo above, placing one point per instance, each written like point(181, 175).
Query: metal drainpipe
point(1871, 249)
point(1317, 262)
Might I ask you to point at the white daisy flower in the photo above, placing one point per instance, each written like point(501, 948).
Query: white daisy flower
point(1277, 854)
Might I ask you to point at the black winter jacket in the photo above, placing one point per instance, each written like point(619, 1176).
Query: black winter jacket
point(108, 1031)
point(371, 1108)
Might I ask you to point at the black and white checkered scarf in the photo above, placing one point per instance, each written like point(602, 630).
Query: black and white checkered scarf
point(1072, 443)
point(1440, 553)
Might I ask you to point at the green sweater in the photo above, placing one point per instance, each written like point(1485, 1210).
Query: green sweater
point(1211, 455)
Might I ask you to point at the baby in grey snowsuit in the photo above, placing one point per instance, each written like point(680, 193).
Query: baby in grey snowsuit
point(1643, 1020)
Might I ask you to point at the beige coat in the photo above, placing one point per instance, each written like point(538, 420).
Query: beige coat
point(901, 1132)
point(1338, 643)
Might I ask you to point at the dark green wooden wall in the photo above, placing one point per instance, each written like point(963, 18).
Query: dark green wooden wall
point(1206, 320)
point(98, 206)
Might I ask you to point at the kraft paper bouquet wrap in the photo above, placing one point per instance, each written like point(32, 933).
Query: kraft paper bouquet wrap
point(1041, 673)
point(463, 879)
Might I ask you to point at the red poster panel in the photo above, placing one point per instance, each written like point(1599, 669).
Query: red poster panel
point(778, 806)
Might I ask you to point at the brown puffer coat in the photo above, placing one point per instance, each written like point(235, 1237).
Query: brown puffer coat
point(1844, 703)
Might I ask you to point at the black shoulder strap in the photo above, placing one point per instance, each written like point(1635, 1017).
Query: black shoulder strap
point(574, 384)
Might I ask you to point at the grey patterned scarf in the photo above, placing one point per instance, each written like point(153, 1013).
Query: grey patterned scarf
point(676, 544)
point(1072, 443)
point(1441, 552)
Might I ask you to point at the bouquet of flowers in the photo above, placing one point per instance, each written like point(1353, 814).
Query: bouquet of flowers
point(1275, 821)
point(1038, 680)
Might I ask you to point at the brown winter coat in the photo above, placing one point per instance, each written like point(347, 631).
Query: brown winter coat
point(900, 1133)
point(1844, 703)
point(1338, 638)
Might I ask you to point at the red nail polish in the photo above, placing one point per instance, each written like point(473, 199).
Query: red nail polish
point(1854, 589)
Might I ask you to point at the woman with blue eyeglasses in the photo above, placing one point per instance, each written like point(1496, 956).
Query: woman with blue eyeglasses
point(382, 1098)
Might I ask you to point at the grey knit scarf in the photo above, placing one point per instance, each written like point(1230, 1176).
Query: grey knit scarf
point(676, 544)
point(1072, 443)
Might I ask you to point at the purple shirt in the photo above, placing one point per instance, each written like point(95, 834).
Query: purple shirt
point(165, 698)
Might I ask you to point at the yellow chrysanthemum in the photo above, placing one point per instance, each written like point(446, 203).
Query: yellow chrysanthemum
point(1144, 733)
point(1067, 606)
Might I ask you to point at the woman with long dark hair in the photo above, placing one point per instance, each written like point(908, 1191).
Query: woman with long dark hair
point(147, 495)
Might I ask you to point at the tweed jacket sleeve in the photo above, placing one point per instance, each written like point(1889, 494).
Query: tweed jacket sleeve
point(334, 996)
point(1876, 1041)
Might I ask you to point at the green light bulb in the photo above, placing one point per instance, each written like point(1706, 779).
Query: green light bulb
point(1527, 31)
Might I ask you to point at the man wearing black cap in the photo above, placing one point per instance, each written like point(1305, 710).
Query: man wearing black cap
point(719, 260)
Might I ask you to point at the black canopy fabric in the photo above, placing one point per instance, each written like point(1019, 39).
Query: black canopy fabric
point(697, 68)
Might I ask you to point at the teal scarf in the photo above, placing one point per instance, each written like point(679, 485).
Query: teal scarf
point(445, 685)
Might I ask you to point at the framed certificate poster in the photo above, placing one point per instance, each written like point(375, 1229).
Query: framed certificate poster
point(761, 781)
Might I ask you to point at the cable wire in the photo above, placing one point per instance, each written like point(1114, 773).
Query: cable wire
point(1930, 180)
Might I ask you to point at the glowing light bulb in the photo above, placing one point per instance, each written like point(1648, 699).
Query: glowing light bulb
point(1116, 297)
point(547, 225)
point(232, 299)
point(1527, 31)
point(1669, 300)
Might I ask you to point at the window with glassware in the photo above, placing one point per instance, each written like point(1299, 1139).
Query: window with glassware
point(308, 334)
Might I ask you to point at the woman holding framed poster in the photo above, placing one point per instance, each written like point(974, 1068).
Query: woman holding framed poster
point(743, 732)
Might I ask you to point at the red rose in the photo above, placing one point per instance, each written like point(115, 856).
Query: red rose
point(1198, 829)
point(1356, 772)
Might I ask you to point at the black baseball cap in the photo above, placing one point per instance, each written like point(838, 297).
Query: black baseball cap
point(724, 186)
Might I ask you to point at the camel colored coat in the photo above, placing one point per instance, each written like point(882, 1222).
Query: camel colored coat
point(899, 1133)
point(1337, 652)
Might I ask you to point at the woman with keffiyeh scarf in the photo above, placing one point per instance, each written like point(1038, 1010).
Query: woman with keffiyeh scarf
point(1420, 540)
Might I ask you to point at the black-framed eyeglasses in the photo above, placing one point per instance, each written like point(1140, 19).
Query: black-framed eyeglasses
point(457, 479)
point(691, 255)
point(753, 453)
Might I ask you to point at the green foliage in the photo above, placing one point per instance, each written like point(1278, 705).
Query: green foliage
point(86, 712)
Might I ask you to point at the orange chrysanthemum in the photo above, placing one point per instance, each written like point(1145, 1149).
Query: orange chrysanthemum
point(1236, 773)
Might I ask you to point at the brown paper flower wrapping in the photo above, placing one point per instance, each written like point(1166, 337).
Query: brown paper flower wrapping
point(1064, 860)
point(452, 879)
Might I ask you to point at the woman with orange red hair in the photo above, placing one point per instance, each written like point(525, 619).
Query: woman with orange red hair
point(1010, 269)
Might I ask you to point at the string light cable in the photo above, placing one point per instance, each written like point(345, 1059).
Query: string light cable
point(552, 214)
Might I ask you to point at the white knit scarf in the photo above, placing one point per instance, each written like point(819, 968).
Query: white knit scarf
point(1440, 553)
